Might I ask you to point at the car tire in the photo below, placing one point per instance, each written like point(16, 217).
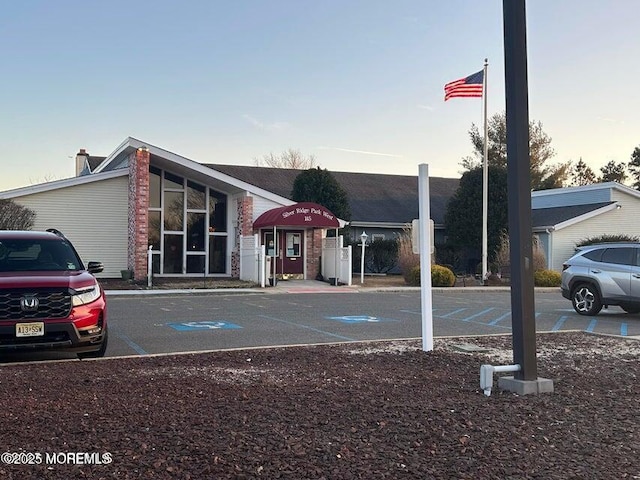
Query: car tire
point(586, 299)
point(630, 308)
point(96, 353)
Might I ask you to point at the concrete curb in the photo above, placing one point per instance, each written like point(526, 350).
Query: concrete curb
point(277, 290)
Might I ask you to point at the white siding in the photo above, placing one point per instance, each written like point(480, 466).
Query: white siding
point(94, 216)
point(617, 221)
point(261, 205)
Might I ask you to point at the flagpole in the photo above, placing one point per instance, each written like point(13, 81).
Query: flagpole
point(485, 180)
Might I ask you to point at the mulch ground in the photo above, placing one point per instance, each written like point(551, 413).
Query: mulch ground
point(383, 410)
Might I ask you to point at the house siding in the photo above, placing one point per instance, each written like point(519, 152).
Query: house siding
point(611, 222)
point(94, 216)
point(261, 205)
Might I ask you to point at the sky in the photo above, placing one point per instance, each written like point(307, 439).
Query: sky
point(358, 84)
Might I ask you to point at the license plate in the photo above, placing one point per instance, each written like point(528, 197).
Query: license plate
point(34, 329)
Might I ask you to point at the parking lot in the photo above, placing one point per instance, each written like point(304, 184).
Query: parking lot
point(182, 323)
point(156, 324)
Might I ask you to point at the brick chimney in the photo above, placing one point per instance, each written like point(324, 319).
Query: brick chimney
point(82, 158)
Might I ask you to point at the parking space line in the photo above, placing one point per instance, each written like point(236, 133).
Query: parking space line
point(559, 323)
point(623, 329)
point(479, 314)
point(137, 348)
point(453, 313)
point(500, 318)
point(307, 328)
point(592, 325)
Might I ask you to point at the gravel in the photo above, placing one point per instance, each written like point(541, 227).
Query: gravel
point(379, 410)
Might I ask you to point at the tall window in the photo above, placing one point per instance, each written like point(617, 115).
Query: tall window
point(187, 226)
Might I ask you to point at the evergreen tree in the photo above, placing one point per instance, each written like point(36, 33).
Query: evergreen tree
point(543, 176)
point(319, 186)
point(613, 172)
point(634, 167)
point(582, 174)
point(463, 218)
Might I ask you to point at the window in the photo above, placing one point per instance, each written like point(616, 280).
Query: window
point(195, 232)
point(195, 196)
point(217, 211)
point(172, 181)
point(293, 244)
point(154, 230)
point(173, 211)
point(187, 225)
point(173, 252)
point(155, 190)
point(595, 255)
point(620, 256)
point(217, 254)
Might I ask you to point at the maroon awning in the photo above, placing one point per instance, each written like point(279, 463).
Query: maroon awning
point(305, 214)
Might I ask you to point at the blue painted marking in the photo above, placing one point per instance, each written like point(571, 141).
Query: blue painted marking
point(500, 318)
point(623, 329)
point(592, 325)
point(191, 326)
point(417, 313)
point(478, 323)
point(308, 328)
point(453, 313)
point(479, 314)
point(559, 323)
point(360, 319)
point(137, 348)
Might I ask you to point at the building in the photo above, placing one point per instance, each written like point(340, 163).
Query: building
point(196, 217)
point(561, 217)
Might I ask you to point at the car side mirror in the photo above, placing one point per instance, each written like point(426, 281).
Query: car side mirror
point(95, 267)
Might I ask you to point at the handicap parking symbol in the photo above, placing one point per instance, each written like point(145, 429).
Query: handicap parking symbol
point(191, 326)
point(359, 319)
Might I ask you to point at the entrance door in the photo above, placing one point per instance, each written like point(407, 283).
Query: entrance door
point(289, 249)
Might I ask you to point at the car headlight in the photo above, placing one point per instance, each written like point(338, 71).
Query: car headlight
point(85, 295)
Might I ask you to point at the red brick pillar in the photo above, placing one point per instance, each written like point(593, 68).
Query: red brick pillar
point(314, 251)
point(245, 227)
point(138, 212)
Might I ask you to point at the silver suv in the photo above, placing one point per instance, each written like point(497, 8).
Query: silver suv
point(601, 275)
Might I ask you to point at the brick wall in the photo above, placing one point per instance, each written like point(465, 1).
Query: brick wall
point(245, 227)
point(314, 250)
point(138, 213)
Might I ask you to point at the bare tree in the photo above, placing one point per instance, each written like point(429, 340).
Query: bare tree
point(288, 159)
point(15, 217)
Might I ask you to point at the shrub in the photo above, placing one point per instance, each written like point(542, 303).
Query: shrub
point(607, 238)
point(502, 255)
point(381, 255)
point(440, 276)
point(546, 278)
point(407, 260)
point(413, 276)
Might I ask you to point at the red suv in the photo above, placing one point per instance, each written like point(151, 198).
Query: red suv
point(48, 299)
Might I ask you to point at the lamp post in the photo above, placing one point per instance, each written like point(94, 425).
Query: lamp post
point(363, 238)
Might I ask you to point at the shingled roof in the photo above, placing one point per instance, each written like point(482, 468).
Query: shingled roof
point(373, 197)
point(549, 217)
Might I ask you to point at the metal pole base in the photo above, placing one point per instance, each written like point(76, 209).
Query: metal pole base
point(526, 387)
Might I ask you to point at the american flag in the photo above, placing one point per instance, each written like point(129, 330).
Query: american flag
point(470, 86)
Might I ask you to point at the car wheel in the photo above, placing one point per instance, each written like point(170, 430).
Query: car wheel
point(96, 353)
point(586, 299)
point(630, 308)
